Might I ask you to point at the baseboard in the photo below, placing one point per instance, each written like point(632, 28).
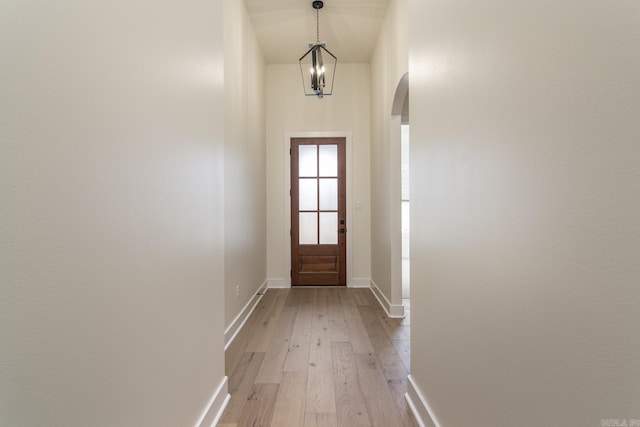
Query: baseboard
point(216, 406)
point(278, 283)
point(241, 318)
point(359, 282)
point(419, 405)
point(395, 311)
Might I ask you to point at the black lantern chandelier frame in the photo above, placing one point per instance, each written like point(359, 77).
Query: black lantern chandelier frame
point(316, 55)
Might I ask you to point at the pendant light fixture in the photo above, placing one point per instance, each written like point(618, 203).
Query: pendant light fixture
point(318, 65)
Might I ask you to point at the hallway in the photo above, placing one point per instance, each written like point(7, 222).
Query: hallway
point(145, 187)
point(319, 357)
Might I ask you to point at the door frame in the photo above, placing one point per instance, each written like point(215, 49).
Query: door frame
point(337, 276)
point(287, 199)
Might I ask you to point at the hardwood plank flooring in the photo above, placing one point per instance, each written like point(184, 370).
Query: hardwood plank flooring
point(239, 345)
point(240, 384)
point(337, 324)
point(358, 336)
point(320, 420)
point(319, 357)
point(266, 327)
point(274, 359)
point(381, 407)
point(259, 407)
point(398, 389)
point(352, 409)
point(390, 361)
point(298, 356)
point(290, 404)
point(320, 396)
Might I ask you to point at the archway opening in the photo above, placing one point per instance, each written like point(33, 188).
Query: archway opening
point(400, 128)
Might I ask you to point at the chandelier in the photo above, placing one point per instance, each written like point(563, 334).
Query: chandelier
point(318, 64)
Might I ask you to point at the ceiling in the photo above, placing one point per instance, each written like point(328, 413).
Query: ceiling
point(285, 27)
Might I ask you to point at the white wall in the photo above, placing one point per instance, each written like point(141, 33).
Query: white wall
point(245, 164)
point(525, 238)
point(388, 64)
point(288, 110)
point(111, 181)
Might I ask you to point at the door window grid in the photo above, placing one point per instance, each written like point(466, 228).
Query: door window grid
point(318, 176)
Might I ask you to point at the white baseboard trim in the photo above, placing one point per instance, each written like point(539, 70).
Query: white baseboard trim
point(237, 323)
point(216, 406)
point(395, 311)
point(354, 282)
point(278, 283)
point(419, 405)
point(359, 282)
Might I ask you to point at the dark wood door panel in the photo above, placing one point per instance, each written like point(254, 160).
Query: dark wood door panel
point(319, 263)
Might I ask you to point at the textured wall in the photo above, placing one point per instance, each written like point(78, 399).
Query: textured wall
point(388, 64)
point(245, 164)
point(526, 238)
point(111, 187)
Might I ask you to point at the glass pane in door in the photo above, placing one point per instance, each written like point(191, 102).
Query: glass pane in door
point(308, 160)
point(308, 228)
point(308, 194)
point(328, 160)
point(329, 228)
point(329, 194)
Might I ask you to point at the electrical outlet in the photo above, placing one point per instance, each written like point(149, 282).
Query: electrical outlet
point(237, 291)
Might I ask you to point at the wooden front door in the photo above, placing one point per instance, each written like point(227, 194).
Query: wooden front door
point(318, 212)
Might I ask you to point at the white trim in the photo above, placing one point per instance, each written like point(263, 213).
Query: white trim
point(359, 282)
point(237, 323)
point(216, 405)
point(414, 410)
point(393, 310)
point(355, 282)
point(419, 405)
point(278, 283)
point(348, 136)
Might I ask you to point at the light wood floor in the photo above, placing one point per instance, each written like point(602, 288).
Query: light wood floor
point(319, 357)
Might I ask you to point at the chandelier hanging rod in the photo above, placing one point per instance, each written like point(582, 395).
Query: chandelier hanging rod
point(317, 5)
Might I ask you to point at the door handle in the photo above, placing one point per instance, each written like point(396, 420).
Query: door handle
point(343, 230)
